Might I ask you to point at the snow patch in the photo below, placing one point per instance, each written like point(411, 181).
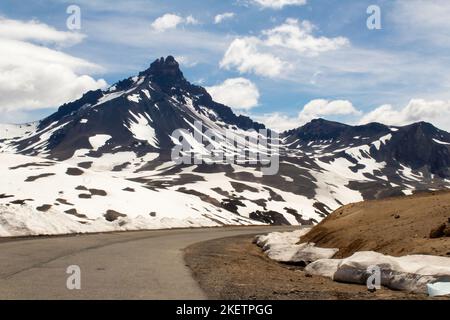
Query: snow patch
point(441, 142)
point(141, 128)
point(409, 273)
point(147, 93)
point(134, 98)
point(282, 247)
point(99, 140)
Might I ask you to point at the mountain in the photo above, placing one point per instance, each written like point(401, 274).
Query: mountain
point(419, 146)
point(104, 162)
point(139, 114)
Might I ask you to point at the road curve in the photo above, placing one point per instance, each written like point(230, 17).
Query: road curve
point(121, 265)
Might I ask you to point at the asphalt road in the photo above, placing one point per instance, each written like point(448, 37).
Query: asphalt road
point(122, 265)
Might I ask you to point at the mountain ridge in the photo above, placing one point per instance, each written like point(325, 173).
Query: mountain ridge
point(112, 147)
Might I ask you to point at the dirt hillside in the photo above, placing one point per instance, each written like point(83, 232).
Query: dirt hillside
point(417, 224)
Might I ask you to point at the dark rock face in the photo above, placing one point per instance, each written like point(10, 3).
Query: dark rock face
point(321, 129)
point(167, 73)
point(270, 217)
point(112, 215)
point(417, 145)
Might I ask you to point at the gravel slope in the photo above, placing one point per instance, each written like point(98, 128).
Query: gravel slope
point(394, 226)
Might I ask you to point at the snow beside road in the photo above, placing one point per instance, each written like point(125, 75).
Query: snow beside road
point(38, 196)
point(411, 273)
point(282, 247)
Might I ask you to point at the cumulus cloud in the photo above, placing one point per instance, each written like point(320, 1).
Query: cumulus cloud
point(320, 107)
point(171, 21)
point(260, 55)
point(36, 31)
point(243, 54)
point(223, 16)
point(314, 109)
point(298, 36)
point(238, 93)
point(279, 4)
point(191, 20)
point(278, 121)
point(436, 112)
point(34, 76)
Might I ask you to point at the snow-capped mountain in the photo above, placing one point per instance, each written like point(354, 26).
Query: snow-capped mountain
point(137, 114)
point(104, 162)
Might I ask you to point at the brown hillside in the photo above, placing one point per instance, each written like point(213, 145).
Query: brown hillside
point(395, 226)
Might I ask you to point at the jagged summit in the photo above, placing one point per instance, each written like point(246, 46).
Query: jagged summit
point(166, 72)
point(166, 67)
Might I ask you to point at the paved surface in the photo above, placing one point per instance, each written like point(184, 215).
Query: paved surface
point(125, 265)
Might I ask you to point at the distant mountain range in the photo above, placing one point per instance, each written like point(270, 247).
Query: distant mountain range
point(74, 170)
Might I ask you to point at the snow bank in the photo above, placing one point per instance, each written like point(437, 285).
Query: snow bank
point(409, 273)
point(413, 273)
point(438, 289)
point(282, 247)
point(38, 196)
point(24, 220)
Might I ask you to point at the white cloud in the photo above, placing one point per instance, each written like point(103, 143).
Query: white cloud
point(433, 111)
point(171, 21)
point(314, 109)
point(279, 4)
point(36, 31)
point(243, 55)
point(191, 20)
point(436, 112)
point(422, 20)
point(319, 107)
point(298, 36)
point(36, 77)
point(238, 93)
point(277, 121)
point(321, 63)
point(167, 21)
point(223, 16)
point(262, 55)
point(186, 61)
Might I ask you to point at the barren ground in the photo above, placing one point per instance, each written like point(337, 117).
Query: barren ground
point(235, 268)
point(395, 226)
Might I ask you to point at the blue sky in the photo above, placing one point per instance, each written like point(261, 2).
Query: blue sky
point(287, 61)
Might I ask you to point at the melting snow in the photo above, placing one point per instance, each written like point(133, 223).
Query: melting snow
point(8, 131)
point(441, 142)
point(282, 247)
point(147, 93)
point(99, 140)
point(134, 98)
point(381, 141)
point(141, 128)
point(414, 273)
point(410, 273)
point(170, 208)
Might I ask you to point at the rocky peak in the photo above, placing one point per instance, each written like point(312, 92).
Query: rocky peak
point(165, 72)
